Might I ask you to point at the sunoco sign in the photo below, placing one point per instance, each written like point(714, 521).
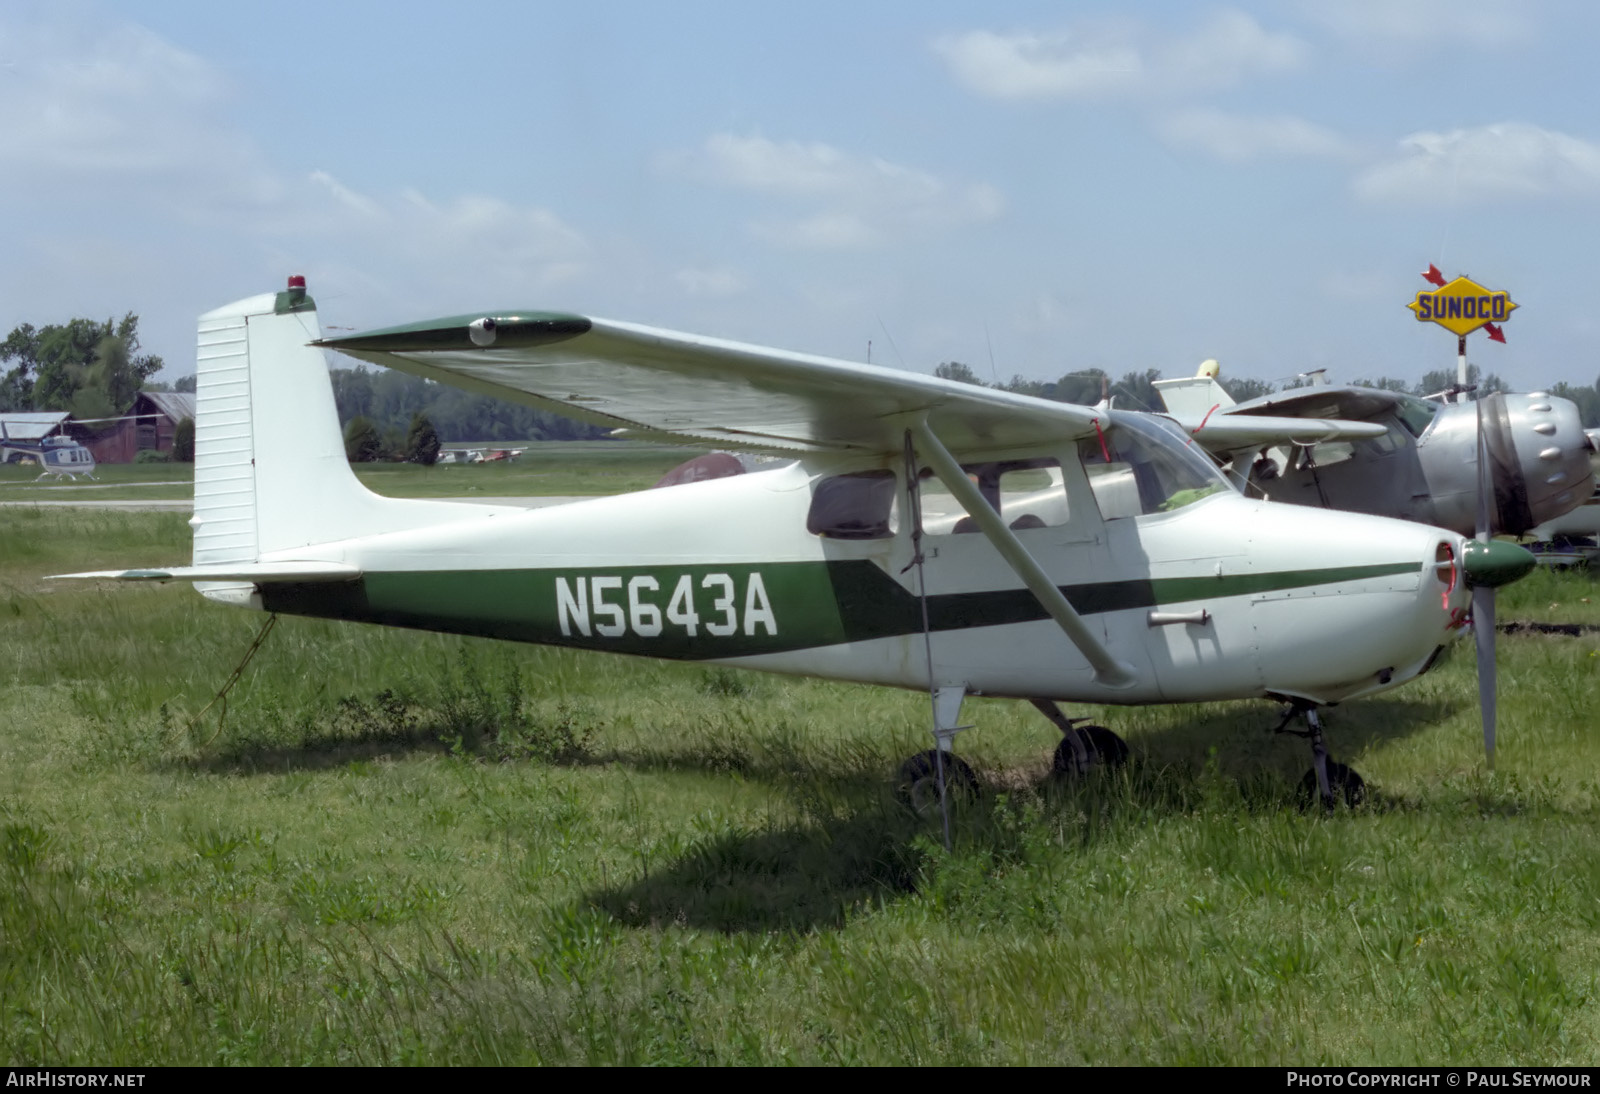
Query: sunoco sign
point(1463, 306)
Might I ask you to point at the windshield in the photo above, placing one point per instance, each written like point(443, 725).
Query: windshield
point(1416, 414)
point(1144, 463)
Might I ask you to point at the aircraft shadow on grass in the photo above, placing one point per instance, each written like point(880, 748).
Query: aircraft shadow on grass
point(850, 841)
point(853, 843)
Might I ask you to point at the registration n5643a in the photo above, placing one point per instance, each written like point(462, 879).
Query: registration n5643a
point(614, 606)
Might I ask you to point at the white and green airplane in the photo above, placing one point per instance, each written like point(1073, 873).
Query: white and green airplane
point(928, 535)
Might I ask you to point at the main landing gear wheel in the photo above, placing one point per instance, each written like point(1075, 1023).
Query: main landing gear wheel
point(1343, 783)
point(918, 785)
point(1103, 750)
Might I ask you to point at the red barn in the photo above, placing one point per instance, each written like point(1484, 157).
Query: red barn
point(149, 424)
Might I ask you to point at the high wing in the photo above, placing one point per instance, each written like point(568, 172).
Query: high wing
point(1349, 404)
point(1306, 416)
point(1231, 429)
point(664, 385)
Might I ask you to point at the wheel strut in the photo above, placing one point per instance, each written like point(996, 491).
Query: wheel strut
point(1327, 777)
point(1081, 749)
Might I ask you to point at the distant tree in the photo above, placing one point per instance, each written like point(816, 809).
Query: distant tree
point(955, 370)
point(183, 441)
point(1587, 400)
point(1136, 390)
point(1039, 389)
point(1443, 379)
point(21, 351)
point(1241, 389)
point(184, 383)
point(352, 392)
point(92, 369)
point(1384, 383)
point(393, 443)
point(422, 441)
point(362, 444)
point(1086, 387)
point(1075, 387)
point(390, 399)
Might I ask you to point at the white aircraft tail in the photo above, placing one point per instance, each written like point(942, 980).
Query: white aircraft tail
point(1194, 396)
point(270, 473)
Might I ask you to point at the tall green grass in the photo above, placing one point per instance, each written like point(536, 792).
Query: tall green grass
point(406, 848)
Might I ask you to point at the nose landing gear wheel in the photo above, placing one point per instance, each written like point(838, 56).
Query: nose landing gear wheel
point(918, 785)
point(1343, 783)
point(1102, 750)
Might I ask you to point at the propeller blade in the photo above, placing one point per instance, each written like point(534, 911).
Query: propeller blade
point(1483, 638)
point(1483, 603)
point(1485, 480)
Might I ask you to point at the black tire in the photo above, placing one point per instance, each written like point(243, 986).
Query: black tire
point(1106, 751)
point(1345, 784)
point(918, 785)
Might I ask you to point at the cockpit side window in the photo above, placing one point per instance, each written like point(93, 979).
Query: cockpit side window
point(859, 505)
point(1145, 464)
point(1416, 414)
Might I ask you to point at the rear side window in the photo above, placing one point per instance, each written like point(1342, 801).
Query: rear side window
point(860, 505)
point(1026, 494)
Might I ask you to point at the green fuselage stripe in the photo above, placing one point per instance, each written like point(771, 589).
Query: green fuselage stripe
point(706, 611)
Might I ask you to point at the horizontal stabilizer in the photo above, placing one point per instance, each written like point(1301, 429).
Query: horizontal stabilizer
point(256, 572)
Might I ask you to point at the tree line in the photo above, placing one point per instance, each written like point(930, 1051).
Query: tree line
point(1136, 390)
point(94, 369)
point(391, 400)
point(91, 369)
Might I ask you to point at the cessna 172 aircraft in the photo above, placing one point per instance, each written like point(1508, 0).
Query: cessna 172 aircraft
point(1097, 557)
point(1419, 464)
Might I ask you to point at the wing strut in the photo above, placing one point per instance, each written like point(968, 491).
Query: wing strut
point(1107, 669)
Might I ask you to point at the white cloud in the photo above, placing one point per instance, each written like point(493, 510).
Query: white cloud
point(1040, 66)
point(94, 102)
point(1117, 59)
point(110, 124)
point(472, 238)
point(1494, 162)
point(856, 201)
point(1385, 23)
point(1237, 139)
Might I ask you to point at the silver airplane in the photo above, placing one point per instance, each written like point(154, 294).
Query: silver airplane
point(1422, 466)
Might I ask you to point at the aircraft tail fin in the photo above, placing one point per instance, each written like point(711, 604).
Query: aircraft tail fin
point(1194, 396)
point(270, 470)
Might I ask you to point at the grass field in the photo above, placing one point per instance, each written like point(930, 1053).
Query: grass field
point(401, 847)
point(547, 468)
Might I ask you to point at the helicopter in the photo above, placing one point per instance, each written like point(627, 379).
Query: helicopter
point(34, 437)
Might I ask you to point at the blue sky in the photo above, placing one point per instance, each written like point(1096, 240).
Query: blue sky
point(1029, 188)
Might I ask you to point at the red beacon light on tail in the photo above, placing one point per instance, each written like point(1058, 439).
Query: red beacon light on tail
point(295, 298)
